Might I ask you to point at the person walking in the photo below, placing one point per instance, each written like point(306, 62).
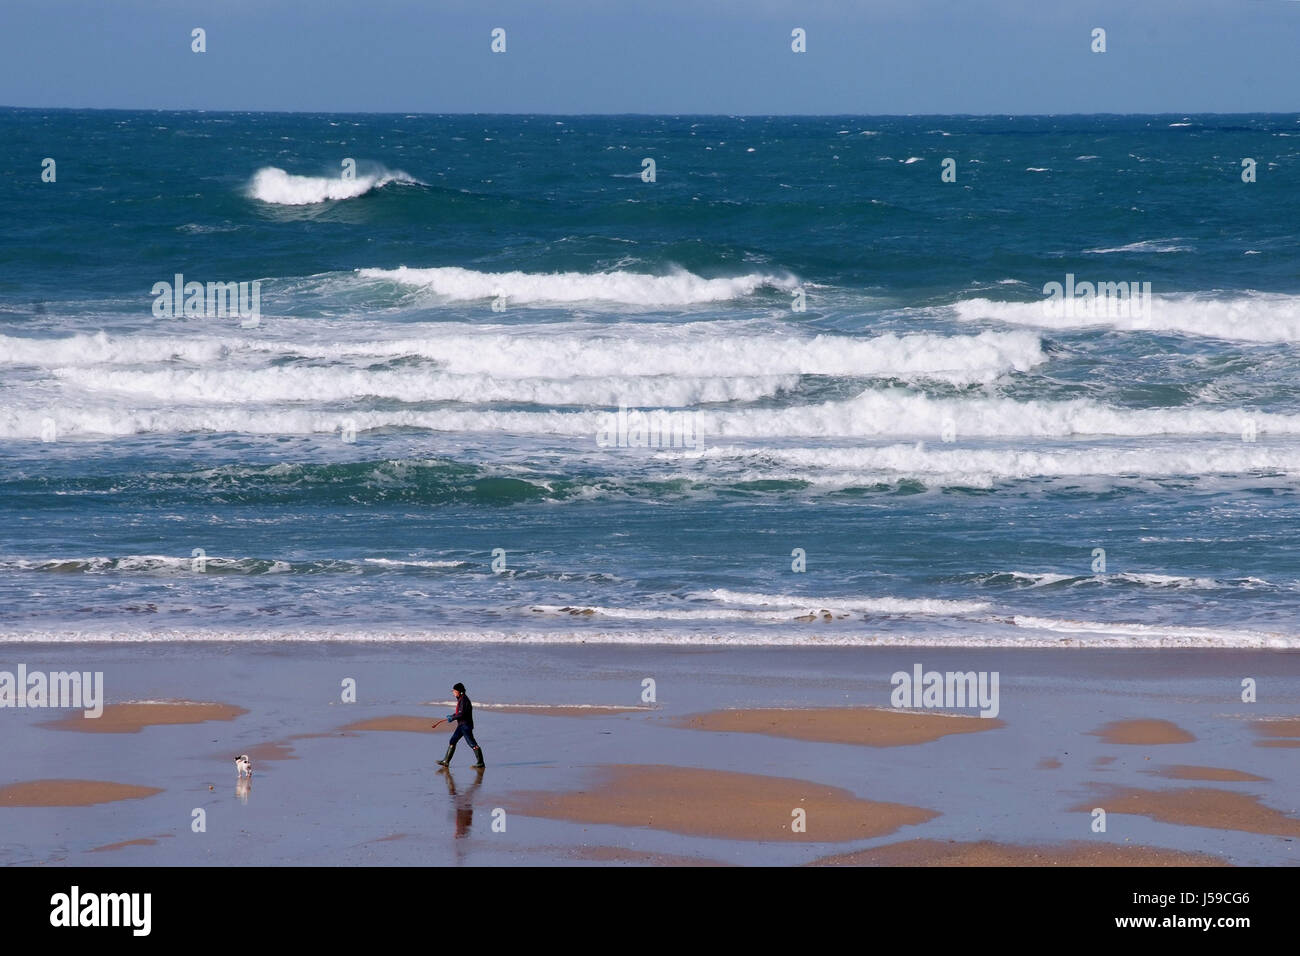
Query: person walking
point(464, 721)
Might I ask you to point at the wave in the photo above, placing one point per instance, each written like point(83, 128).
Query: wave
point(1163, 246)
point(983, 467)
point(897, 412)
point(1258, 317)
point(1024, 632)
point(700, 349)
point(1027, 579)
point(1122, 634)
point(655, 614)
point(771, 608)
point(680, 288)
point(99, 348)
point(598, 473)
point(875, 413)
point(880, 605)
point(146, 564)
point(271, 184)
point(164, 564)
point(314, 384)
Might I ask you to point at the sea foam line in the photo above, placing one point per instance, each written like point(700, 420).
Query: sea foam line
point(874, 413)
point(1051, 634)
point(630, 288)
point(1253, 318)
point(699, 349)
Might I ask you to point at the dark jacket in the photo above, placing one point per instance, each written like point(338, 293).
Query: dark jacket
point(464, 712)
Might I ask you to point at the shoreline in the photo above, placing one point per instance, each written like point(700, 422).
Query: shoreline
point(650, 637)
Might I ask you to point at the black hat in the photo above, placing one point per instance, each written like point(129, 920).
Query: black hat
point(459, 687)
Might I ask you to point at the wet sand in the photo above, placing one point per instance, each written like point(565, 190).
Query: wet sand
point(269, 752)
point(70, 793)
point(715, 803)
point(865, 726)
point(1278, 733)
point(131, 718)
point(1198, 807)
point(401, 724)
point(1286, 727)
point(1151, 733)
point(988, 853)
point(1185, 772)
point(709, 774)
point(618, 854)
point(142, 841)
point(559, 710)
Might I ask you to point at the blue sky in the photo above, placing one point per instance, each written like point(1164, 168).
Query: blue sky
point(666, 56)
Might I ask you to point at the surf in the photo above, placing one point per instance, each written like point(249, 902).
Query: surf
point(275, 186)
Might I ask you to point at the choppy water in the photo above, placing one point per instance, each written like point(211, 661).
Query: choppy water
point(947, 453)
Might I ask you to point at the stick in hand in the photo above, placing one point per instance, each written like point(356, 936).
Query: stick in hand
point(441, 721)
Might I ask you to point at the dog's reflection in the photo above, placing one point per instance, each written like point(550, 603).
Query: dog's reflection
point(463, 802)
point(242, 788)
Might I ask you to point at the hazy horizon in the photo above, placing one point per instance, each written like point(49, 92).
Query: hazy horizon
point(150, 109)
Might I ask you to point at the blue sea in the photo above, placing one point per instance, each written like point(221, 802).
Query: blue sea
point(440, 421)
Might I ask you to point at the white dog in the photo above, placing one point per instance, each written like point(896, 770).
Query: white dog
point(243, 765)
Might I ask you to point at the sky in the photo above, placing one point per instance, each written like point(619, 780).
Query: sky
point(655, 56)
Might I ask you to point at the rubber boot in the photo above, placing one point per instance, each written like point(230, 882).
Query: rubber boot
point(478, 752)
point(446, 760)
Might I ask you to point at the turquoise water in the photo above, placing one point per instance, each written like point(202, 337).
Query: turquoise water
point(948, 454)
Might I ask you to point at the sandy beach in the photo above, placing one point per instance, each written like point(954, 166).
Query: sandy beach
point(789, 757)
point(714, 803)
point(70, 793)
point(131, 718)
point(987, 853)
point(865, 726)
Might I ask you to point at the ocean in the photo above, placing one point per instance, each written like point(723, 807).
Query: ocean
point(799, 381)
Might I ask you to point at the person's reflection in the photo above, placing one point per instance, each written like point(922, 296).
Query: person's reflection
point(463, 803)
point(242, 787)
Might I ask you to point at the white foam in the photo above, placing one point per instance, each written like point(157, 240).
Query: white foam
point(629, 288)
point(1123, 634)
point(1163, 246)
point(168, 702)
point(273, 185)
point(898, 412)
point(937, 464)
point(1030, 578)
point(875, 413)
point(100, 348)
point(1026, 633)
point(340, 384)
point(701, 349)
point(1252, 318)
point(172, 564)
point(1145, 579)
point(876, 605)
point(660, 614)
point(136, 563)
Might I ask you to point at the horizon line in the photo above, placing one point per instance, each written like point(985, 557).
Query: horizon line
point(656, 115)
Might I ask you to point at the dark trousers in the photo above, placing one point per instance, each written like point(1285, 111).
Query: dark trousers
point(467, 733)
